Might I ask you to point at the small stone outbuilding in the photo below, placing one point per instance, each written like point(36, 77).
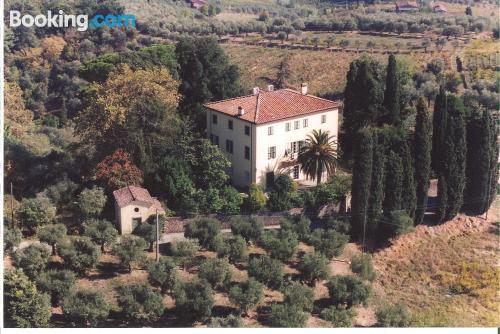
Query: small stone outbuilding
point(133, 206)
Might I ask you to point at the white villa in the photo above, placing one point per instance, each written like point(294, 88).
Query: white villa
point(262, 133)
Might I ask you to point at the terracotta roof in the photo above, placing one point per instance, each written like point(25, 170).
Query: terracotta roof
point(269, 106)
point(129, 194)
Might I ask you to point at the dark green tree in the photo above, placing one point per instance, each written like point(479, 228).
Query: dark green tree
point(194, 300)
point(299, 296)
point(139, 302)
point(282, 245)
point(377, 188)
point(422, 146)
point(408, 193)
point(313, 267)
point(215, 271)
point(361, 181)
point(439, 118)
point(100, 231)
point(330, 243)
point(85, 308)
point(267, 271)
point(392, 94)
point(250, 229)
point(393, 198)
point(130, 249)
point(281, 194)
point(32, 259)
point(348, 290)
point(57, 283)
point(52, 234)
point(163, 274)
point(80, 254)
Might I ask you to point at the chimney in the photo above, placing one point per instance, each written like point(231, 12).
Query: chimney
point(241, 111)
point(255, 90)
point(303, 88)
point(270, 88)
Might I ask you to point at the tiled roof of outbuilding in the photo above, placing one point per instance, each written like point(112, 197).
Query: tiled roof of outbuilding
point(129, 194)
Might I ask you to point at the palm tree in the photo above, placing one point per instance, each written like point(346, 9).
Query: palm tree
point(319, 154)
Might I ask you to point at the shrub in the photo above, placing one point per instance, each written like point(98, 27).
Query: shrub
point(139, 302)
point(246, 295)
point(231, 321)
point(194, 299)
point(23, 305)
point(163, 274)
point(362, 265)
point(286, 315)
point(147, 230)
point(339, 316)
point(11, 238)
point(340, 225)
point(298, 224)
point(100, 231)
point(256, 200)
point(231, 200)
point(400, 222)
point(282, 194)
point(34, 212)
point(32, 259)
point(85, 308)
point(313, 267)
point(204, 230)
point(129, 250)
point(299, 296)
point(62, 192)
point(348, 290)
point(184, 251)
point(57, 283)
point(249, 229)
point(267, 271)
point(52, 234)
point(91, 202)
point(281, 245)
point(393, 316)
point(215, 271)
point(80, 254)
point(328, 242)
point(235, 249)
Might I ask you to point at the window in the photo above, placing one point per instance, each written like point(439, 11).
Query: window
point(296, 170)
point(323, 118)
point(270, 131)
point(271, 152)
point(269, 179)
point(230, 124)
point(305, 123)
point(214, 119)
point(136, 209)
point(214, 139)
point(247, 175)
point(247, 152)
point(287, 126)
point(136, 222)
point(229, 146)
point(247, 130)
point(296, 125)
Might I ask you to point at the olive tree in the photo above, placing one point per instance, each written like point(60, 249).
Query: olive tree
point(139, 302)
point(32, 259)
point(287, 315)
point(204, 230)
point(313, 267)
point(163, 274)
point(299, 296)
point(215, 271)
point(267, 271)
point(328, 242)
point(249, 229)
point(52, 235)
point(184, 251)
point(362, 265)
point(234, 248)
point(339, 316)
point(85, 308)
point(57, 283)
point(348, 290)
point(393, 316)
point(100, 231)
point(11, 238)
point(194, 300)
point(34, 212)
point(246, 295)
point(80, 254)
point(281, 245)
point(129, 250)
point(91, 202)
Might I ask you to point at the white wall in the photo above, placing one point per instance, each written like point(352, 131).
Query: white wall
point(127, 213)
point(281, 138)
point(240, 172)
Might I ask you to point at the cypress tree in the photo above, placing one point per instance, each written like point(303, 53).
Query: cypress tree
point(63, 114)
point(363, 97)
point(377, 184)
point(392, 94)
point(442, 194)
point(454, 151)
point(393, 198)
point(494, 149)
point(361, 180)
point(408, 194)
point(439, 127)
point(477, 169)
point(422, 158)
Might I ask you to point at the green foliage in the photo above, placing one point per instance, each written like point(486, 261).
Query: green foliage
point(57, 283)
point(246, 295)
point(362, 265)
point(313, 267)
point(215, 271)
point(341, 225)
point(204, 230)
point(318, 155)
point(282, 194)
point(91, 202)
point(52, 234)
point(184, 251)
point(267, 271)
point(147, 230)
point(34, 212)
point(393, 198)
point(377, 187)
point(163, 274)
point(392, 94)
point(100, 231)
point(286, 315)
point(281, 245)
point(24, 306)
point(400, 223)
point(439, 117)
point(139, 302)
point(256, 200)
point(231, 321)
point(85, 308)
point(393, 316)
point(234, 248)
point(194, 300)
point(61, 193)
point(79, 254)
point(330, 243)
point(248, 228)
point(300, 225)
point(299, 296)
point(348, 290)
point(408, 193)
point(422, 146)
point(232, 201)
point(11, 238)
point(32, 259)
point(130, 249)
point(339, 316)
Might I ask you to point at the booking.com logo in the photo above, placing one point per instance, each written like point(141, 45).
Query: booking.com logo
point(80, 22)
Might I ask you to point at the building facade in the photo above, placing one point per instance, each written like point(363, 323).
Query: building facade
point(262, 133)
